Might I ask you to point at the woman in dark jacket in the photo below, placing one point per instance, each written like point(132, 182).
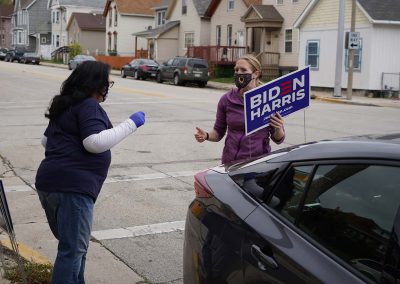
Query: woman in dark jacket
point(77, 140)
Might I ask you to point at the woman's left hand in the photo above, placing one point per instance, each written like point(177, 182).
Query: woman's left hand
point(277, 123)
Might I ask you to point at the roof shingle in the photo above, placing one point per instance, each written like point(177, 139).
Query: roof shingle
point(138, 7)
point(87, 21)
point(382, 10)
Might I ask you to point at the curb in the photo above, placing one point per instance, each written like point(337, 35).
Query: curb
point(27, 253)
point(342, 101)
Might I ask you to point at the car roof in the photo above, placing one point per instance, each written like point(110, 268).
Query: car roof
point(375, 146)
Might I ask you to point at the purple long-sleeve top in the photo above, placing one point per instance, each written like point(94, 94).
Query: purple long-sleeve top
point(230, 116)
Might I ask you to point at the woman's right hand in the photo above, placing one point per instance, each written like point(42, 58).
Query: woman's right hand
point(200, 135)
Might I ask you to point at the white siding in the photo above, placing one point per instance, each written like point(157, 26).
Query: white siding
point(127, 25)
point(222, 17)
point(290, 12)
point(167, 45)
point(190, 23)
point(385, 55)
point(325, 75)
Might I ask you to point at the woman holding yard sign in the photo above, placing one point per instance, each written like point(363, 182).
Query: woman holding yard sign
point(230, 118)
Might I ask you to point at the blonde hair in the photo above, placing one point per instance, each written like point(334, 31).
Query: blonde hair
point(255, 64)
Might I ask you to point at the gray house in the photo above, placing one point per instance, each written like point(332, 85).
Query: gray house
point(30, 26)
point(5, 25)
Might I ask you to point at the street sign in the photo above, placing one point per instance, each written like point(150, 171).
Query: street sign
point(354, 40)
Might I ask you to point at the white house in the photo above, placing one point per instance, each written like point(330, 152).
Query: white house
point(124, 18)
point(377, 21)
point(61, 11)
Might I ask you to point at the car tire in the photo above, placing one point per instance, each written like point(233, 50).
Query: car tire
point(123, 73)
point(202, 84)
point(158, 77)
point(177, 80)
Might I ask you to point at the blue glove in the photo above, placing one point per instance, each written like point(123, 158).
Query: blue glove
point(138, 118)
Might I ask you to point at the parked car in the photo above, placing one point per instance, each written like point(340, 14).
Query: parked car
point(78, 59)
point(30, 57)
point(322, 212)
point(14, 55)
point(3, 52)
point(181, 70)
point(140, 69)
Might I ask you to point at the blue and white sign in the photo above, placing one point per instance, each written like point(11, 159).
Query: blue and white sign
point(284, 95)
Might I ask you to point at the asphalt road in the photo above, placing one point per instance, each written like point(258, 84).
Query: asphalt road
point(140, 213)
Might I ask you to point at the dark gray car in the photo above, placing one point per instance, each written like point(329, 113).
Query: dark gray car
point(323, 212)
point(182, 70)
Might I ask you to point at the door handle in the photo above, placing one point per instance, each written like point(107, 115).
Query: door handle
point(264, 260)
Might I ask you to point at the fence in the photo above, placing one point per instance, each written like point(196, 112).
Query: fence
point(390, 85)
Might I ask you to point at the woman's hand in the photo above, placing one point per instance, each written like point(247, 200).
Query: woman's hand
point(278, 124)
point(200, 135)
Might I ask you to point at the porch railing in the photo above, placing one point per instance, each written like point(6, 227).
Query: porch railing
point(269, 65)
point(217, 54)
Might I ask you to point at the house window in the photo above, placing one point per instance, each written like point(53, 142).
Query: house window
point(184, 7)
point(57, 17)
point(19, 37)
point(288, 40)
point(357, 58)
point(189, 39)
point(115, 42)
point(115, 17)
point(110, 17)
point(295, 1)
point(160, 18)
point(312, 54)
point(44, 40)
point(57, 41)
point(109, 41)
point(229, 35)
point(279, 2)
point(231, 5)
point(218, 34)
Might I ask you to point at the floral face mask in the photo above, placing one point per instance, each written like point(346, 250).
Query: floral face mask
point(242, 80)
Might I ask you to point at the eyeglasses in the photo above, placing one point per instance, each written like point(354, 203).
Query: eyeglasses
point(110, 84)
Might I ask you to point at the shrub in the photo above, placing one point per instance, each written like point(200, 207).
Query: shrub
point(74, 49)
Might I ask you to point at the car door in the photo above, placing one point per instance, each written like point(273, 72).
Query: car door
point(131, 68)
point(171, 67)
point(326, 222)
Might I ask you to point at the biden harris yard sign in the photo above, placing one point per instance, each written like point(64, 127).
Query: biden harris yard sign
point(285, 95)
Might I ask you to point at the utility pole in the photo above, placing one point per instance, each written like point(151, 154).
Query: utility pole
point(351, 51)
point(339, 51)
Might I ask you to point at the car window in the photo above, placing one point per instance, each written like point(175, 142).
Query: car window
point(258, 179)
point(182, 62)
point(287, 197)
point(350, 210)
point(169, 63)
point(175, 62)
point(198, 63)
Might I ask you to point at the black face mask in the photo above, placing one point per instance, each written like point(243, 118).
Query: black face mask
point(242, 80)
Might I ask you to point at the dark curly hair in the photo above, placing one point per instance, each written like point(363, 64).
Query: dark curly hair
point(87, 79)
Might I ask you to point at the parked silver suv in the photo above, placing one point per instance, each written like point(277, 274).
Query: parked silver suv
point(182, 70)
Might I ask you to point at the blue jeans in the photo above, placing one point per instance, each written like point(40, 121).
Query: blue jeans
point(70, 218)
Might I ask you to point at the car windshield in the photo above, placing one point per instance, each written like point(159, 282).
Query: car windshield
point(32, 54)
point(148, 62)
